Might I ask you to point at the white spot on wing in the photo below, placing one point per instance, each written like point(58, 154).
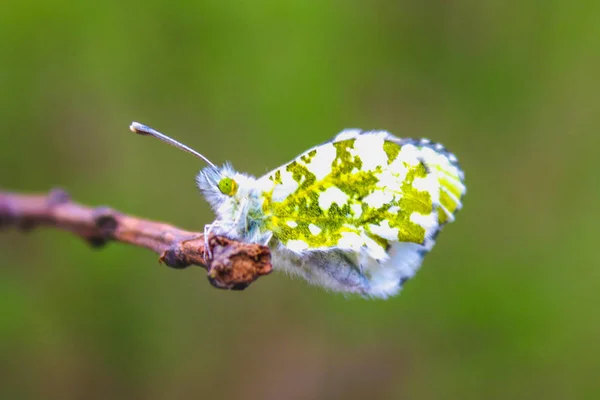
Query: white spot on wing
point(384, 230)
point(391, 178)
point(287, 187)
point(369, 148)
point(296, 245)
point(332, 195)
point(408, 154)
point(350, 240)
point(292, 224)
point(356, 209)
point(394, 209)
point(315, 230)
point(427, 222)
point(320, 164)
point(428, 184)
point(378, 198)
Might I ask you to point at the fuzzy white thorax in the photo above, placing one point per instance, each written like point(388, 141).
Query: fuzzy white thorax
point(237, 216)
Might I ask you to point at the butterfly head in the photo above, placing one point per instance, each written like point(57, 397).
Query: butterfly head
point(220, 185)
point(227, 186)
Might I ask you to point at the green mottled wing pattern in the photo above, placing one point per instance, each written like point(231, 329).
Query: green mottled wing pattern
point(362, 190)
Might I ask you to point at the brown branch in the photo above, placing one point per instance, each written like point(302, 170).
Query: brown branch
point(233, 265)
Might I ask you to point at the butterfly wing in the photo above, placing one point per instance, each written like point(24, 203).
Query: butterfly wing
point(362, 192)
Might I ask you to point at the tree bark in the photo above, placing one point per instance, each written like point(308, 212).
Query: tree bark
point(231, 264)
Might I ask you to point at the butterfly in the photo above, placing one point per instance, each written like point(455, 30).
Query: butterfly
point(356, 214)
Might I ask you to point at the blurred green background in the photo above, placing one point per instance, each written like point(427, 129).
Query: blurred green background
point(504, 307)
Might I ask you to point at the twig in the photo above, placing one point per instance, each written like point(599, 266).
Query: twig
point(233, 265)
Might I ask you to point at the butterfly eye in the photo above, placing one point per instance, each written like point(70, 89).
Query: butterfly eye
point(228, 186)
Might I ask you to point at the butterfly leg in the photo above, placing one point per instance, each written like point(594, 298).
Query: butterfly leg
point(207, 230)
point(218, 227)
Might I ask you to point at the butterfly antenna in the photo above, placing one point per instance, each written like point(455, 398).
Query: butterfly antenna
point(141, 129)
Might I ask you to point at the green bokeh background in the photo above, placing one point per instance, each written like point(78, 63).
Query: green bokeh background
point(506, 306)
